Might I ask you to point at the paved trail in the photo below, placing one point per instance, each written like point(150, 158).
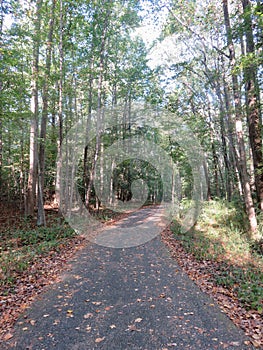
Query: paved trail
point(132, 298)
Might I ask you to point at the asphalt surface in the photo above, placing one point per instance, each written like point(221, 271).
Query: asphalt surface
point(125, 298)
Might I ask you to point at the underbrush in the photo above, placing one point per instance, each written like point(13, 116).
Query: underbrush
point(20, 248)
point(221, 236)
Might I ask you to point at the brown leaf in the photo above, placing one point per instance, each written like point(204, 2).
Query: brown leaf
point(99, 340)
point(7, 336)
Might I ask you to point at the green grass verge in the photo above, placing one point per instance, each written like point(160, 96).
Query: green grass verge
point(221, 236)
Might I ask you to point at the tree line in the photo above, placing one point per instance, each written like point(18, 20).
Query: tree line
point(62, 59)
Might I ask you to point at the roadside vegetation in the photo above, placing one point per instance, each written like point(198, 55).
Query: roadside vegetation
point(221, 236)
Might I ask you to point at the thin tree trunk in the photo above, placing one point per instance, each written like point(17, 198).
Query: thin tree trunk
point(43, 131)
point(233, 156)
point(214, 155)
point(60, 103)
point(99, 107)
point(32, 176)
point(86, 171)
point(1, 91)
point(224, 142)
point(242, 164)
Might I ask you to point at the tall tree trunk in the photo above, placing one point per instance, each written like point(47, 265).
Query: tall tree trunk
point(213, 148)
point(60, 101)
point(233, 156)
point(32, 176)
point(43, 130)
point(86, 177)
point(223, 131)
point(253, 104)
point(99, 105)
point(242, 163)
point(1, 91)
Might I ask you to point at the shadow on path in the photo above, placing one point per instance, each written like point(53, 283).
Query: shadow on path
point(132, 298)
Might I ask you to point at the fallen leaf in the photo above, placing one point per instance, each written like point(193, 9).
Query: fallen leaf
point(88, 315)
point(235, 343)
point(7, 336)
point(138, 320)
point(96, 303)
point(99, 340)
point(112, 326)
point(256, 343)
point(256, 336)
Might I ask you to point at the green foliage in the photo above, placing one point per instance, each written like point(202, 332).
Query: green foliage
point(246, 282)
point(20, 248)
point(220, 236)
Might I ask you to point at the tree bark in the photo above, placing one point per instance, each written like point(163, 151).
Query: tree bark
point(41, 221)
point(60, 103)
point(32, 176)
point(242, 163)
point(253, 104)
point(99, 105)
point(1, 91)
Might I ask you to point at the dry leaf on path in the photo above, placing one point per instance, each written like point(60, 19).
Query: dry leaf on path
point(99, 340)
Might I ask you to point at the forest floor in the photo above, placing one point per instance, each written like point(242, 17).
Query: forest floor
point(24, 279)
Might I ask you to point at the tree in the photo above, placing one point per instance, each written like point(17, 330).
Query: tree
point(253, 101)
point(33, 160)
point(43, 129)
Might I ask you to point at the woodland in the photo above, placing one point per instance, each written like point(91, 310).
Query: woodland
point(62, 61)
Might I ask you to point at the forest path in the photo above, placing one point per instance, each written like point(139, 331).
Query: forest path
point(125, 298)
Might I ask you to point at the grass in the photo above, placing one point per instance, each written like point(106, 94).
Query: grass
point(221, 236)
point(20, 248)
